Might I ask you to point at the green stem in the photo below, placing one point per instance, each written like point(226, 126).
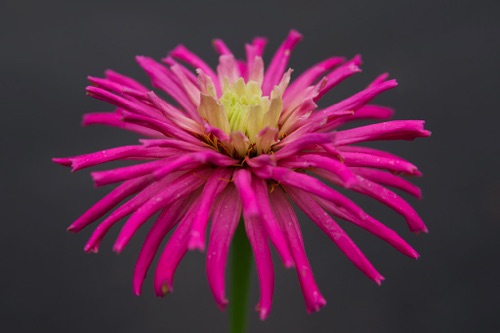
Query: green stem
point(241, 268)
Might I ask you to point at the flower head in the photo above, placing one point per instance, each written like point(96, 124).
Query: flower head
point(244, 142)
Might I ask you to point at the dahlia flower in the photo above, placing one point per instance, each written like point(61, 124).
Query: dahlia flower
point(244, 143)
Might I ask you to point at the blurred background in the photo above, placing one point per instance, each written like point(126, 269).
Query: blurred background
point(443, 53)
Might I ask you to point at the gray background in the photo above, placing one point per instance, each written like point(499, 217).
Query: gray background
point(443, 53)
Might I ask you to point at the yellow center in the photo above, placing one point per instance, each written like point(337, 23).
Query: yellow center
point(244, 106)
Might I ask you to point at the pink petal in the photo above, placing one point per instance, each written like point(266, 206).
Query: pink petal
point(312, 209)
point(114, 154)
point(215, 184)
point(306, 161)
point(270, 223)
point(221, 47)
point(310, 76)
point(352, 103)
point(278, 63)
point(112, 199)
point(391, 200)
point(173, 253)
point(193, 159)
point(265, 272)
point(107, 177)
point(388, 179)
point(127, 208)
point(353, 159)
point(163, 78)
point(373, 226)
point(391, 130)
point(167, 219)
point(301, 181)
point(115, 120)
point(177, 189)
point(243, 181)
point(340, 74)
point(182, 53)
point(288, 221)
point(124, 80)
point(227, 212)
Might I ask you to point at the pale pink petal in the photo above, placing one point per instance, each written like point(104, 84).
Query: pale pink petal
point(228, 69)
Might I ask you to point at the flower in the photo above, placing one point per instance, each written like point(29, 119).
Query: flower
point(244, 142)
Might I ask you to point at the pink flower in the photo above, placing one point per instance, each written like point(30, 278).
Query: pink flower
point(244, 142)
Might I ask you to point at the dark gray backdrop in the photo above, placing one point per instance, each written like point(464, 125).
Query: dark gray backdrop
point(443, 53)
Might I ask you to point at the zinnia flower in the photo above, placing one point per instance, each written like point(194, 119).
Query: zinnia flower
point(244, 142)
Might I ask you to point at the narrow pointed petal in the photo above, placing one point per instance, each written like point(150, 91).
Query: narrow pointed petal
point(182, 53)
point(312, 209)
point(308, 77)
point(265, 272)
point(243, 181)
point(388, 179)
point(173, 253)
point(391, 130)
point(126, 209)
point(309, 184)
point(227, 212)
point(391, 200)
point(112, 199)
point(340, 74)
point(373, 226)
point(107, 177)
point(270, 223)
point(167, 219)
point(221, 47)
point(279, 62)
point(177, 189)
point(215, 184)
point(192, 160)
point(306, 161)
point(288, 221)
point(115, 120)
point(114, 154)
